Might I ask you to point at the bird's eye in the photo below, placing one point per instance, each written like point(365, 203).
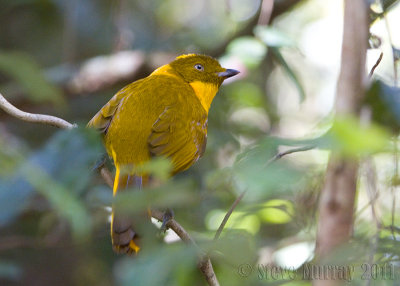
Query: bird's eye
point(199, 67)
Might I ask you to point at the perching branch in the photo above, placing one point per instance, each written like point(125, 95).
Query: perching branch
point(106, 174)
point(32, 117)
point(204, 264)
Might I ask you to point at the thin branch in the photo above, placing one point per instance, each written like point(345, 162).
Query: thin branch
point(228, 214)
point(290, 151)
point(32, 117)
point(376, 65)
point(390, 41)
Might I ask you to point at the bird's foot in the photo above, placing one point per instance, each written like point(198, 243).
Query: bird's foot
point(100, 163)
point(168, 215)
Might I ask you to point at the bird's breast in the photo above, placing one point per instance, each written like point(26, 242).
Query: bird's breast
point(205, 92)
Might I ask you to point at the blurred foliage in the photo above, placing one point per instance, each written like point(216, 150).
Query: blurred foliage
point(22, 68)
point(384, 102)
point(347, 135)
point(54, 207)
point(381, 6)
point(53, 172)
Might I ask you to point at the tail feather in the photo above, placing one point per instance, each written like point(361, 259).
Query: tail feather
point(124, 238)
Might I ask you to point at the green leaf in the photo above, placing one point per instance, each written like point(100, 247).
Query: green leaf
point(384, 101)
point(348, 136)
point(24, 70)
point(169, 262)
point(254, 172)
point(277, 211)
point(63, 201)
point(236, 246)
point(60, 171)
point(237, 220)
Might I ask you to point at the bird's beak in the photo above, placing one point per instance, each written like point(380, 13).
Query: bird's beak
point(228, 73)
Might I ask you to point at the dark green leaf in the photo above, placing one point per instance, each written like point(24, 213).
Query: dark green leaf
point(384, 101)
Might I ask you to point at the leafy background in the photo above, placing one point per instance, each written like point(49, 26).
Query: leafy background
point(67, 58)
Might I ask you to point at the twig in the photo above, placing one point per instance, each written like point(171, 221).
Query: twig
point(390, 41)
point(204, 264)
point(290, 151)
point(228, 214)
point(32, 117)
point(376, 65)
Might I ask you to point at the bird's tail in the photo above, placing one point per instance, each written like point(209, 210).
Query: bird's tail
point(123, 236)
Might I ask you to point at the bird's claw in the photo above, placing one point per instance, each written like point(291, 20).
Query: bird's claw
point(100, 163)
point(167, 217)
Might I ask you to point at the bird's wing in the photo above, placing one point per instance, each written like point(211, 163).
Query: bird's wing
point(102, 120)
point(181, 140)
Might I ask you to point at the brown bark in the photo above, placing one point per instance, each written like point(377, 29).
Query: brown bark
point(336, 206)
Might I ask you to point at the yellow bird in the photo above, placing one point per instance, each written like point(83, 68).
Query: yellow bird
point(164, 114)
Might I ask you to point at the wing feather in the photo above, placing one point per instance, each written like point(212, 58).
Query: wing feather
point(102, 120)
point(183, 141)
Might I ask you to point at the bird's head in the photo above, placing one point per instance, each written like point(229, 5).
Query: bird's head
point(201, 68)
point(203, 73)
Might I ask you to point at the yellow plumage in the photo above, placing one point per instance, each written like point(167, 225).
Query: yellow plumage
point(164, 114)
